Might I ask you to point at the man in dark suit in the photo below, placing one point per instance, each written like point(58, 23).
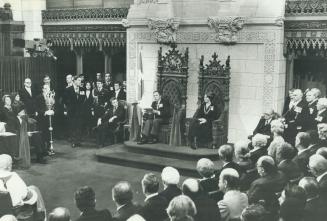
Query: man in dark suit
point(154, 208)
point(271, 181)
point(170, 179)
point(109, 85)
point(27, 96)
point(120, 94)
point(318, 168)
point(314, 208)
point(109, 122)
point(264, 126)
point(85, 202)
point(302, 142)
point(101, 94)
point(226, 154)
point(206, 207)
point(312, 97)
point(75, 99)
point(161, 113)
point(296, 117)
point(122, 195)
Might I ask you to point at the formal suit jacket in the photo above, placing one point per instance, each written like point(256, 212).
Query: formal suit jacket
point(103, 96)
point(5, 203)
point(170, 192)
point(121, 95)
point(255, 154)
point(164, 107)
point(323, 187)
point(302, 160)
point(311, 121)
point(120, 114)
point(88, 104)
point(232, 165)
point(290, 169)
point(93, 214)
point(263, 127)
point(266, 187)
point(210, 114)
point(206, 208)
point(232, 205)
point(209, 184)
point(110, 89)
point(297, 116)
point(315, 210)
point(154, 208)
point(321, 117)
point(28, 100)
point(75, 101)
point(123, 213)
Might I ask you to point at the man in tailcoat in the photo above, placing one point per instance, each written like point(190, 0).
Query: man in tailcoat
point(75, 99)
point(161, 113)
point(109, 122)
point(296, 117)
point(27, 96)
point(120, 94)
point(109, 85)
point(312, 97)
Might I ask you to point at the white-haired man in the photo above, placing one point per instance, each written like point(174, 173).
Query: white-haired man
point(234, 201)
point(321, 116)
point(296, 117)
point(318, 167)
point(170, 179)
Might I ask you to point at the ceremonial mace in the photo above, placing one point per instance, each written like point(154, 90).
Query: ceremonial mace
point(50, 101)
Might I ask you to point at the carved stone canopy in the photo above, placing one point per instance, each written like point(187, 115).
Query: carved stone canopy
point(164, 29)
point(226, 28)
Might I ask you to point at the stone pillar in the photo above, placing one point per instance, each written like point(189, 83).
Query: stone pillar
point(79, 61)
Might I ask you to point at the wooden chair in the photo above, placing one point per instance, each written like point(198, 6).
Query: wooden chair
point(172, 83)
point(215, 78)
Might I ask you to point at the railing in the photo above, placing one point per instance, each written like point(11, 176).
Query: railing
point(54, 15)
point(306, 7)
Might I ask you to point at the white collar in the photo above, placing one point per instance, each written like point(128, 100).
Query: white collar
point(119, 207)
point(321, 111)
point(301, 151)
point(149, 196)
point(321, 176)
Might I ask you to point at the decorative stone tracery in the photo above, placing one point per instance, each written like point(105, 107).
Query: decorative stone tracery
point(164, 29)
point(226, 28)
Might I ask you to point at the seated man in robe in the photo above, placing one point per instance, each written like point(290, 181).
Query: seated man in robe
point(110, 121)
point(160, 115)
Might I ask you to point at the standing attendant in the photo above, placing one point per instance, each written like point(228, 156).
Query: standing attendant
point(88, 109)
point(120, 94)
point(201, 126)
point(296, 117)
point(27, 96)
point(109, 85)
point(312, 99)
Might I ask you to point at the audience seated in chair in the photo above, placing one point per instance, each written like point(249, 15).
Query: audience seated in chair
point(226, 154)
point(206, 207)
point(122, 195)
point(154, 208)
point(59, 214)
point(159, 115)
point(314, 207)
point(181, 208)
point(170, 179)
point(264, 125)
point(8, 218)
point(85, 201)
point(277, 130)
point(254, 212)
point(259, 143)
point(302, 143)
point(234, 201)
point(318, 168)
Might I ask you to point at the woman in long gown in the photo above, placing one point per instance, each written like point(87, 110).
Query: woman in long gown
point(201, 125)
point(24, 144)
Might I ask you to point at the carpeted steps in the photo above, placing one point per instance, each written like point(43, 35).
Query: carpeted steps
point(155, 156)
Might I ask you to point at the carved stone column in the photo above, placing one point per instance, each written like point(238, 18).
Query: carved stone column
point(79, 60)
point(107, 61)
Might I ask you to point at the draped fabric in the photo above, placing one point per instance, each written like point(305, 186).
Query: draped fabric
point(14, 70)
point(177, 131)
point(24, 145)
point(135, 120)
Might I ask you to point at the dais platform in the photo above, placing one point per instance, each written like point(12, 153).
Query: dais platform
point(156, 156)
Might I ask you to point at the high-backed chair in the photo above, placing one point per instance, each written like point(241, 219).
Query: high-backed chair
point(172, 78)
point(215, 78)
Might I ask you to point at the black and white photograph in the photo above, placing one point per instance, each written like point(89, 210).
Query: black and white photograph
point(163, 110)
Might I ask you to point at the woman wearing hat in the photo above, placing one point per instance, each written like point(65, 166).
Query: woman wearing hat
point(201, 125)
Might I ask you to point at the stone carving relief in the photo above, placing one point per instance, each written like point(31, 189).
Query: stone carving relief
point(125, 23)
point(164, 29)
point(226, 28)
point(146, 1)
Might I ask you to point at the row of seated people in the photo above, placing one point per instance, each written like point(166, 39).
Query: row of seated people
point(255, 182)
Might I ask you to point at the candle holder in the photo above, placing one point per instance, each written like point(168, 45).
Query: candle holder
point(50, 101)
